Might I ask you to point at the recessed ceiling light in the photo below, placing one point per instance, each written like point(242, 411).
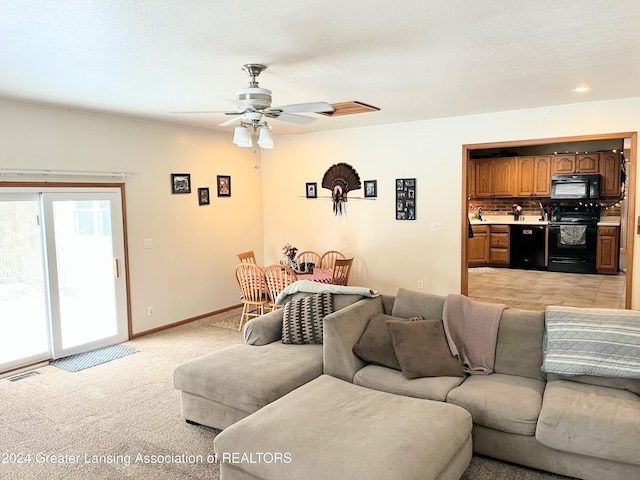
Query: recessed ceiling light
point(582, 88)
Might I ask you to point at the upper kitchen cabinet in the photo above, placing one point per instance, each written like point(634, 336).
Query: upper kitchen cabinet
point(561, 164)
point(495, 177)
point(588, 163)
point(471, 180)
point(578, 163)
point(610, 168)
point(533, 176)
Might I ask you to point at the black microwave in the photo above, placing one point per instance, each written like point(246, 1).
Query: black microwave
point(581, 186)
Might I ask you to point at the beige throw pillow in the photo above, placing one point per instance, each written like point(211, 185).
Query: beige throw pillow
point(422, 350)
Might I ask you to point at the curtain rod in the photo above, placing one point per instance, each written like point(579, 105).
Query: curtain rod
point(18, 172)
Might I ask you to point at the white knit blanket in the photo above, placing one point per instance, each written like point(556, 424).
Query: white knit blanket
point(309, 286)
point(592, 341)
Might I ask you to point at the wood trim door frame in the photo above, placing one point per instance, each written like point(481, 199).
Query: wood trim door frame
point(631, 195)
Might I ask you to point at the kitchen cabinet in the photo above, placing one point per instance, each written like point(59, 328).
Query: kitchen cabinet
point(563, 164)
point(578, 163)
point(533, 176)
point(588, 163)
point(499, 245)
point(471, 180)
point(478, 246)
point(610, 168)
point(608, 249)
point(495, 177)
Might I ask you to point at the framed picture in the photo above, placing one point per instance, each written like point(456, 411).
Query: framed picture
point(370, 188)
point(312, 190)
point(224, 186)
point(180, 183)
point(203, 196)
point(405, 198)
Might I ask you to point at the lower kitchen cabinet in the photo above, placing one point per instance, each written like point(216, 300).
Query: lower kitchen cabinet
point(478, 246)
point(608, 250)
point(499, 245)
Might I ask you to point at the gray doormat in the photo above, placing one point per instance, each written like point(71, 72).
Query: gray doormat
point(81, 361)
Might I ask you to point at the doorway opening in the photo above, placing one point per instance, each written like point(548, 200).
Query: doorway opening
point(625, 209)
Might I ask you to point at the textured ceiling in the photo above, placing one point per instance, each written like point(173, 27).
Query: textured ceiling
point(414, 59)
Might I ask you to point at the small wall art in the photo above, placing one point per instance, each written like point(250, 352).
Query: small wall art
point(180, 183)
point(203, 196)
point(405, 199)
point(224, 186)
point(312, 190)
point(370, 188)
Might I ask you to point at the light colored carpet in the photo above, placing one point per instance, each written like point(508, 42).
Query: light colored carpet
point(123, 413)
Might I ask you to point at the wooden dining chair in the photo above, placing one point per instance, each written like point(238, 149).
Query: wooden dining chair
point(327, 259)
point(247, 257)
point(341, 270)
point(252, 284)
point(308, 256)
point(278, 277)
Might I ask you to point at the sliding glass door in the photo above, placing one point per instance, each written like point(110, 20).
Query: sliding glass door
point(24, 326)
point(74, 240)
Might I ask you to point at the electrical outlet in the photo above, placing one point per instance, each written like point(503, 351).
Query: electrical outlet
point(148, 243)
point(420, 284)
point(437, 227)
point(150, 310)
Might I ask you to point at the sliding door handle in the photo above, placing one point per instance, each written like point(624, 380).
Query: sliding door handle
point(116, 268)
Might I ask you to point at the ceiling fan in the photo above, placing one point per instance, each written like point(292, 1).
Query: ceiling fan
point(255, 103)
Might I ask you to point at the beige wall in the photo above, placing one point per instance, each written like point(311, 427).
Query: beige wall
point(190, 269)
point(189, 272)
point(389, 253)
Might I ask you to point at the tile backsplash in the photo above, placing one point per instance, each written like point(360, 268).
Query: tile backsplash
point(504, 206)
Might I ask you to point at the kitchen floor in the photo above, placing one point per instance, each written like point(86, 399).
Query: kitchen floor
point(535, 289)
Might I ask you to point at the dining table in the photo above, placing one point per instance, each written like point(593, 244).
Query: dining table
point(322, 275)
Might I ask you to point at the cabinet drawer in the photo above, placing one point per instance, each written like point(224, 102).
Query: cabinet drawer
point(499, 228)
point(607, 230)
point(499, 256)
point(499, 240)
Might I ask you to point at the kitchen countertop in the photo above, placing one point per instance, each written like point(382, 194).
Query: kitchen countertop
point(608, 221)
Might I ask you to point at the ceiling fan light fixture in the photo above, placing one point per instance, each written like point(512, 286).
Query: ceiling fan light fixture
point(242, 137)
point(265, 139)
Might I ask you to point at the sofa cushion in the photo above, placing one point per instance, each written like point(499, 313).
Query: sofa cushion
point(590, 420)
point(247, 377)
point(519, 346)
point(413, 304)
point(422, 350)
point(392, 381)
point(507, 403)
point(630, 384)
point(375, 344)
point(302, 318)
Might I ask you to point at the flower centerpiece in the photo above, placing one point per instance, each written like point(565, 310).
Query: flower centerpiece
point(290, 253)
point(517, 210)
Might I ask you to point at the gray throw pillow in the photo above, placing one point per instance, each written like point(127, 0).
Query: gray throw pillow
point(375, 345)
point(422, 349)
point(302, 318)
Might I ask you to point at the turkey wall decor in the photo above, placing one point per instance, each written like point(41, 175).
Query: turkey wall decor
point(341, 178)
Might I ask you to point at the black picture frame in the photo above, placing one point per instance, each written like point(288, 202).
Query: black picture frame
point(180, 183)
point(312, 190)
point(224, 185)
point(370, 188)
point(203, 196)
point(405, 199)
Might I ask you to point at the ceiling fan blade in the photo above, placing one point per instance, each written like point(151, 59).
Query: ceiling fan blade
point(312, 107)
point(229, 122)
point(226, 112)
point(289, 117)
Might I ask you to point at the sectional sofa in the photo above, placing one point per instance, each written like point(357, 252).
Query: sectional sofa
point(581, 426)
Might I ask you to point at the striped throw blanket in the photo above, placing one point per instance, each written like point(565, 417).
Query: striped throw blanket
point(592, 341)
